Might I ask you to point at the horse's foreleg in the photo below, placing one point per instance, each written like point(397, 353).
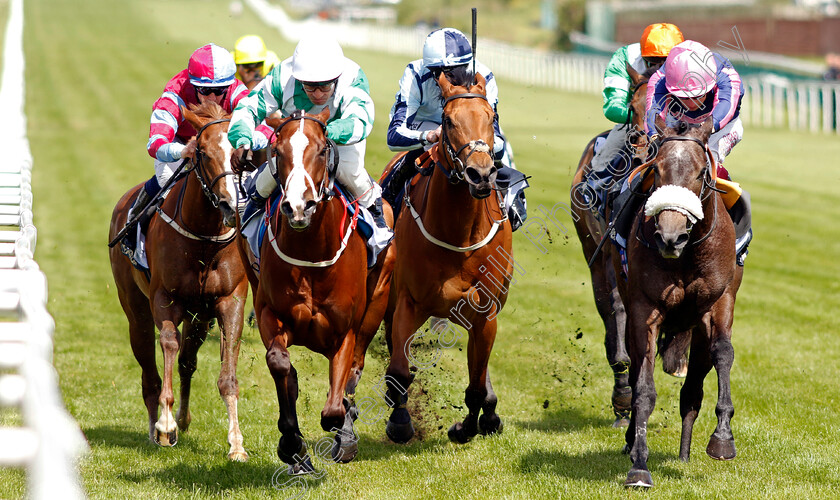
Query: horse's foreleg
point(614, 317)
point(194, 334)
point(230, 312)
point(291, 447)
point(641, 339)
point(691, 394)
point(397, 376)
point(722, 444)
point(482, 336)
point(340, 412)
point(168, 315)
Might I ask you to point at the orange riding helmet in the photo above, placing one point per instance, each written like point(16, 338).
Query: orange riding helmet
point(658, 39)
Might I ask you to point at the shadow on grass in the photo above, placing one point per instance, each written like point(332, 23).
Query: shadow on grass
point(565, 420)
point(222, 478)
point(110, 436)
point(601, 466)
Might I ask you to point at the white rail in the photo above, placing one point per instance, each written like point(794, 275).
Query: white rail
point(769, 100)
point(49, 442)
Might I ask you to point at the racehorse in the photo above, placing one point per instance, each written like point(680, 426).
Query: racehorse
point(452, 240)
point(314, 288)
point(591, 230)
point(195, 276)
point(682, 276)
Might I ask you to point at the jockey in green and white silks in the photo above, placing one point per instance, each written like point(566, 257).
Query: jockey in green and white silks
point(651, 51)
point(317, 76)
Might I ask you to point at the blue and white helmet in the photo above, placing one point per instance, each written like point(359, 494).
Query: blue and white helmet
point(446, 47)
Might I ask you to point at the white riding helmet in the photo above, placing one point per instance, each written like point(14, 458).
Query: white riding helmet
point(317, 59)
point(446, 47)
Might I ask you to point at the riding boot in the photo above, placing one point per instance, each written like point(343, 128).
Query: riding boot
point(138, 211)
point(376, 211)
point(405, 170)
point(741, 214)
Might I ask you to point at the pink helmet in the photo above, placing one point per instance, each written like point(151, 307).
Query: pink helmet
point(211, 66)
point(690, 70)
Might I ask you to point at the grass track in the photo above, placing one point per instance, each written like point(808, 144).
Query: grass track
point(94, 69)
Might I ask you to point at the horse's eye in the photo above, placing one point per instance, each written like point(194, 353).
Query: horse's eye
point(324, 152)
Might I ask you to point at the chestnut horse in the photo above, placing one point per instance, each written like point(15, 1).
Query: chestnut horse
point(314, 288)
point(196, 276)
point(591, 230)
point(446, 238)
point(682, 276)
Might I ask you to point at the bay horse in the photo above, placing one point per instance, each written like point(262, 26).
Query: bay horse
point(682, 276)
point(195, 276)
point(591, 230)
point(445, 240)
point(314, 288)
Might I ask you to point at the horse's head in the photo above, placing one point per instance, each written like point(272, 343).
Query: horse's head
point(305, 161)
point(681, 174)
point(467, 134)
point(638, 96)
point(211, 156)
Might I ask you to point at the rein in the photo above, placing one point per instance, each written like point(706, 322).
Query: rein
point(455, 175)
point(325, 190)
point(198, 166)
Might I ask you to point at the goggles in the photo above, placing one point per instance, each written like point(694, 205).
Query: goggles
point(211, 90)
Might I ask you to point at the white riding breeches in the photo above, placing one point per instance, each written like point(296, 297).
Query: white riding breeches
point(722, 141)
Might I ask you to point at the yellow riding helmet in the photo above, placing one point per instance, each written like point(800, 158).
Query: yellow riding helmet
point(658, 39)
point(249, 49)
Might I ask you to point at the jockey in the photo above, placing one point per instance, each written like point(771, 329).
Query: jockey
point(693, 85)
point(209, 77)
point(651, 51)
point(415, 117)
point(316, 76)
point(253, 60)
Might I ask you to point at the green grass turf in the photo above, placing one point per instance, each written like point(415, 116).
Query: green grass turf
point(96, 67)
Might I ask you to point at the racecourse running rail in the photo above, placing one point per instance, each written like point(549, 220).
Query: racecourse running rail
point(49, 442)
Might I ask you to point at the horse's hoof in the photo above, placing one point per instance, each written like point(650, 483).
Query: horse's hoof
point(399, 433)
point(621, 422)
point(457, 434)
point(184, 422)
point(238, 456)
point(344, 452)
point(638, 478)
point(490, 424)
point(680, 371)
point(166, 438)
point(301, 468)
point(292, 457)
point(721, 449)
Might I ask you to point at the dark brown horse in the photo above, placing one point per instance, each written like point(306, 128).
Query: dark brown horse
point(314, 288)
point(682, 276)
point(196, 276)
point(591, 230)
point(453, 244)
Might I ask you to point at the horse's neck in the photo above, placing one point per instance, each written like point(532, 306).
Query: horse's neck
point(195, 210)
point(451, 214)
point(321, 240)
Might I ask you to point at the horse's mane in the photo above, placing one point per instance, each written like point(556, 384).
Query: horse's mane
point(209, 109)
point(650, 71)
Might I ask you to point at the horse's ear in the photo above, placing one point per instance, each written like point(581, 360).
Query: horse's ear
point(445, 86)
point(635, 76)
point(480, 84)
point(706, 128)
point(659, 124)
point(192, 118)
point(274, 121)
point(324, 115)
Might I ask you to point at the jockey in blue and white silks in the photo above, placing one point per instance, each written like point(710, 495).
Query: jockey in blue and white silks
point(415, 117)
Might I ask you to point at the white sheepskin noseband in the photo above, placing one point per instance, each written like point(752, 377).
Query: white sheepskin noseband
point(672, 197)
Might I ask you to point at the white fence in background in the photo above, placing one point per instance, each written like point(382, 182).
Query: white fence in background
point(769, 101)
point(49, 442)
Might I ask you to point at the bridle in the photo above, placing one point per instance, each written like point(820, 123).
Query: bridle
point(706, 189)
point(198, 164)
point(325, 191)
point(459, 166)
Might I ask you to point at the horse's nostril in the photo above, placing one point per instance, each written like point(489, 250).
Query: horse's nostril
point(310, 205)
point(473, 175)
point(682, 239)
point(286, 208)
